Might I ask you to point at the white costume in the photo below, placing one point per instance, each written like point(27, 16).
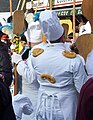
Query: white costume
point(56, 101)
point(69, 75)
point(30, 89)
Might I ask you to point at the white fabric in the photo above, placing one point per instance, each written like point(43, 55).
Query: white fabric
point(29, 85)
point(33, 33)
point(13, 46)
point(3, 22)
point(69, 74)
point(31, 91)
point(83, 61)
point(50, 25)
point(89, 63)
point(67, 45)
point(29, 17)
point(58, 110)
point(54, 56)
point(16, 58)
point(85, 29)
point(22, 104)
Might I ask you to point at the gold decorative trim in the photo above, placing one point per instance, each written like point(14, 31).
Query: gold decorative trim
point(69, 54)
point(48, 77)
point(37, 51)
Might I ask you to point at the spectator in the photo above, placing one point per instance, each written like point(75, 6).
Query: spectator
point(6, 108)
point(85, 104)
point(30, 89)
point(5, 62)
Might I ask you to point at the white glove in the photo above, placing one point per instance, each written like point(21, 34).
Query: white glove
point(22, 104)
point(16, 58)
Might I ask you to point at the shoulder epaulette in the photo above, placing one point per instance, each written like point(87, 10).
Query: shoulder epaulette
point(37, 51)
point(69, 54)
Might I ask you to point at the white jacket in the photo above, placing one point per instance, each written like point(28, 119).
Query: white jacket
point(68, 72)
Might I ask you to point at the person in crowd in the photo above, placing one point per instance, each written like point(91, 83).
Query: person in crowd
point(85, 104)
point(25, 48)
point(6, 108)
point(5, 62)
point(24, 54)
point(23, 43)
point(6, 40)
point(31, 90)
point(60, 76)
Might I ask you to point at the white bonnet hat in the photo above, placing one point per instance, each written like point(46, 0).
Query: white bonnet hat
point(50, 25)
point(34, 33)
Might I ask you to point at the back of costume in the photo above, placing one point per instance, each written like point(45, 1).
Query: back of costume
point(58, 98)
point(60, 77)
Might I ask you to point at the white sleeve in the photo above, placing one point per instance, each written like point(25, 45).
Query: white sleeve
point(25, 69)
point(79, 75)
point(81, 59)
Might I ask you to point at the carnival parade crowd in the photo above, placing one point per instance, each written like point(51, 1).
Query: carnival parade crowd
point(54, 82)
